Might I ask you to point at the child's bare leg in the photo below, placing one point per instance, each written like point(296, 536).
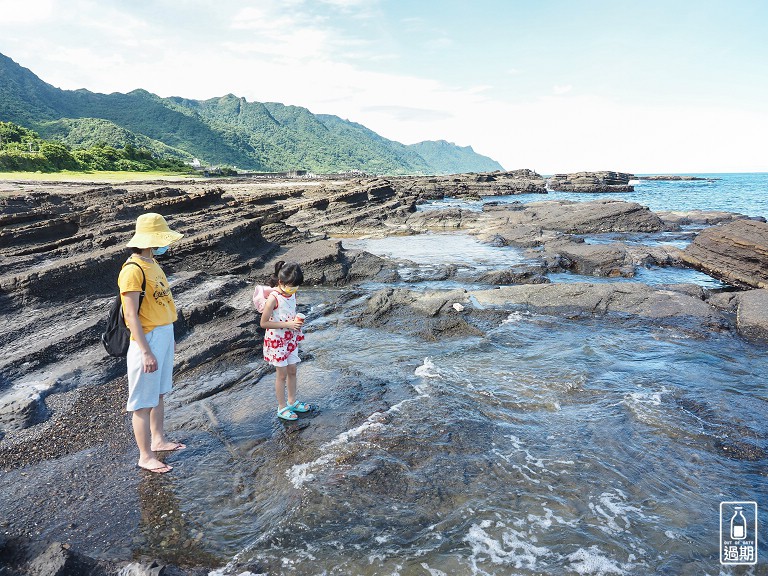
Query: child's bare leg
point(141, 431)
point(291, 383)
point(280, 376)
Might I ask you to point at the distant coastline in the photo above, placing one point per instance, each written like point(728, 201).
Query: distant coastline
point(674, 177)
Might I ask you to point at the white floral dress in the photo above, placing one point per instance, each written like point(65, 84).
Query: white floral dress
point(281, 345)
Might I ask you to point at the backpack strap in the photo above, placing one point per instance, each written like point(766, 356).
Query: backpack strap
point(143, 282)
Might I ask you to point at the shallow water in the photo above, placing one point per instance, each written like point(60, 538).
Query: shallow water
point(545, 447)
point(433, 251)
point(430, 251)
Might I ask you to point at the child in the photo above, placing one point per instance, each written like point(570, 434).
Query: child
point(281, 340)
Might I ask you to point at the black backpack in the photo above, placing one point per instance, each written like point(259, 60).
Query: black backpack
point(117, 337)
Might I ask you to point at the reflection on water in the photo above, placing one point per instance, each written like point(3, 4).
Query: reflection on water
point(652, 276)
point(678, 238)
point(431, 249)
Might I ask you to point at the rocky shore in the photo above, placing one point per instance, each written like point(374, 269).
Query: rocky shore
point(72, 500)
point(676, 178)
point(591, 182)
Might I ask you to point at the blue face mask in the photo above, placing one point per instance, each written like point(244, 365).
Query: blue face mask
point(160, 251)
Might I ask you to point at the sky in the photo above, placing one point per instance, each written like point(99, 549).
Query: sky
point(651, 86)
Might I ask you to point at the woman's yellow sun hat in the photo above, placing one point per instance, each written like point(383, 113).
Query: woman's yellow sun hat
point(152, 231)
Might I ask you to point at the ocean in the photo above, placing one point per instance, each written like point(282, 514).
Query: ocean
point(548, 445)
point(742, 193)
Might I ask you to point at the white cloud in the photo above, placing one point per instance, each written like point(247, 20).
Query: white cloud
point(264, 20)
point(28, 11)
point(290, 51)
point(587, 133)
point(408, 114)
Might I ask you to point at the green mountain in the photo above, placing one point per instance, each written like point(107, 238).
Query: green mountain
point(229, 130)
point(87, 132)
point(447, 158)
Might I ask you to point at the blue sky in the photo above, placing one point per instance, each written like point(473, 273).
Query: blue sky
point(555, 86)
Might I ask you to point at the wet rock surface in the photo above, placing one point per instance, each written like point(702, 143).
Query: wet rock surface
point(708, 217)
point(592, 259)
point(629, 298)
point(67, 453)
point(735, 252)
point(752, 314)
point(578, 217)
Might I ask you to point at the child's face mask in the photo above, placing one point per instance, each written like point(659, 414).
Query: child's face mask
point(290, 290)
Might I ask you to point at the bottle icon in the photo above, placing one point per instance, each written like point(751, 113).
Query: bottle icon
point(738, 524)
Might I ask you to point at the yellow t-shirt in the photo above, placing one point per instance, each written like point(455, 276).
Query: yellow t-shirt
point(157, 308)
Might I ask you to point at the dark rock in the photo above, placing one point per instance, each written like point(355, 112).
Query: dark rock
point(735, 253)
point(597, 299)
point(58, 560)
point(576, 217)
point(524, 275)
point(592, 182)
point(752, 314)
point(475, 185)
point(708, 217)
point(25, 557)
point(597, 216)
point(693, 290)
point(726, 301)
point(21, 408)
point(512, 234)
point(609, 260)
point(323, 261)
point(675, 177)
point(441, 220)
point(430, 315)
point(663, 255)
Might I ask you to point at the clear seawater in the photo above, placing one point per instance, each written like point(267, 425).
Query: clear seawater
point(546, 445)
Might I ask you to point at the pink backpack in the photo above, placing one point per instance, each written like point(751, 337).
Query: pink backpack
point(260, 295)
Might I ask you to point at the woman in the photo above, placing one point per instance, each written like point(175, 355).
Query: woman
point(150, 319)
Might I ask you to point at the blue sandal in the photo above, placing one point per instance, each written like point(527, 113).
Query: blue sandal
point(300, 407)
point(286, 413)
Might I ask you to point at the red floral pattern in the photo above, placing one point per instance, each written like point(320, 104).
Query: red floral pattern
point(279, 343)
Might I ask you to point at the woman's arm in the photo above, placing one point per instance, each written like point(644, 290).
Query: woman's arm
point(131, 311)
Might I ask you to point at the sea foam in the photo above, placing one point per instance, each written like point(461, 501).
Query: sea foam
point(590, 561)
point(427, 370)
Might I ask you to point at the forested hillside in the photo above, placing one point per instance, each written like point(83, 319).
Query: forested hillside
point(24, 150)
point(446, 158)
point(222, 131)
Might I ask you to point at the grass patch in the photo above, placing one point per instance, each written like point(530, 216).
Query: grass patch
point(117, 176)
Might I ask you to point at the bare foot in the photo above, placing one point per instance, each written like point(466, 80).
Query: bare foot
point(154, 465)
point(168, 446)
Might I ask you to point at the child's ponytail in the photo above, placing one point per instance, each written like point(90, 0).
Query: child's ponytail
point(274, 280)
